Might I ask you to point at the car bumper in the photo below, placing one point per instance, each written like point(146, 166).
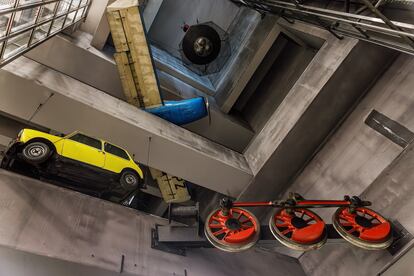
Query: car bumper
point(13, 145)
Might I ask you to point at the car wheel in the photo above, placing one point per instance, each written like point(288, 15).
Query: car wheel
point(129, 180)
point(36, 152)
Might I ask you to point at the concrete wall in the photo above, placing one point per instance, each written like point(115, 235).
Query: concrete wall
point(358, 160)
point(337, 77)
point(251, 37)
point(166, 28)
point(19, 263)
point(50, 221)
point(403, 266)
point(74, 56)
point(392, 194)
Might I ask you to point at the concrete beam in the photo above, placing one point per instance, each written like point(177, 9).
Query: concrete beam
point(102, 31)
point(4, 142)
point(98, 70)
point(50, 221)
point(301, 96)
point(74, 56)
point(220, 127)
point(61, 103)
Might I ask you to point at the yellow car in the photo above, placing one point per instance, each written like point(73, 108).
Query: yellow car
point(77, 157)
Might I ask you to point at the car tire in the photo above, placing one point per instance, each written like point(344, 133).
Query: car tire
point(36, 152)
point(129, 180)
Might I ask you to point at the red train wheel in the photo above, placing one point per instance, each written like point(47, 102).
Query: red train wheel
point(237, 231)
point(364, 228)
point(299, 229)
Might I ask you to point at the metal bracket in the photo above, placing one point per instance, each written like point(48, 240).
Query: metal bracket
point(401, 238)
point(349, 22)
point(155, 244)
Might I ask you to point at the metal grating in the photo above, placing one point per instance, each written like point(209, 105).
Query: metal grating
point(24, 24)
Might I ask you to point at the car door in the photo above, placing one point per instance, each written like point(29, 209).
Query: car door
point(116, 158)
point(84, 149)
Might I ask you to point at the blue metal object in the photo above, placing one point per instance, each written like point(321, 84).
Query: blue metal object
point(182, 112)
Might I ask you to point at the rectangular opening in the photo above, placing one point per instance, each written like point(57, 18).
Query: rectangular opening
point(272, 81)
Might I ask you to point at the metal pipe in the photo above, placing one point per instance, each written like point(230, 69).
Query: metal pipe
point(292, 203)
point(387, 21)
point(254, 204)
point(343, 17)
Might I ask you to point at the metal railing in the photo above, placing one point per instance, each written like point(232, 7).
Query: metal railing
point(24, 24)
point(361, 19)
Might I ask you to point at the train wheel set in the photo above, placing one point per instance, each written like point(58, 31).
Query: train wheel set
point(232, 228)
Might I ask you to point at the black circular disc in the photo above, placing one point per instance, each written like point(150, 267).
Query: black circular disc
point(201, 44)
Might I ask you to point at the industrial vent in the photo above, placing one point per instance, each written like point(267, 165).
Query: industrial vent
point(205, 48)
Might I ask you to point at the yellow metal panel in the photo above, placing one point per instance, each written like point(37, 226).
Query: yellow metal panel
point(28, 134)
point(131, 90)
point(83, 153)
point(173, 189)
point(118, 34)
point(114, 163)
point(126, 27)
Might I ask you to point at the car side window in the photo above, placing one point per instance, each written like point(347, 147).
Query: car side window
point(116, 151)
point(92, 142)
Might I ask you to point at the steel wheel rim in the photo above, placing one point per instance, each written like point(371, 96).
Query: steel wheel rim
point(246, 218)
point(281, 237)
point(347, 235)
point(36, 151)
point(130, 179)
